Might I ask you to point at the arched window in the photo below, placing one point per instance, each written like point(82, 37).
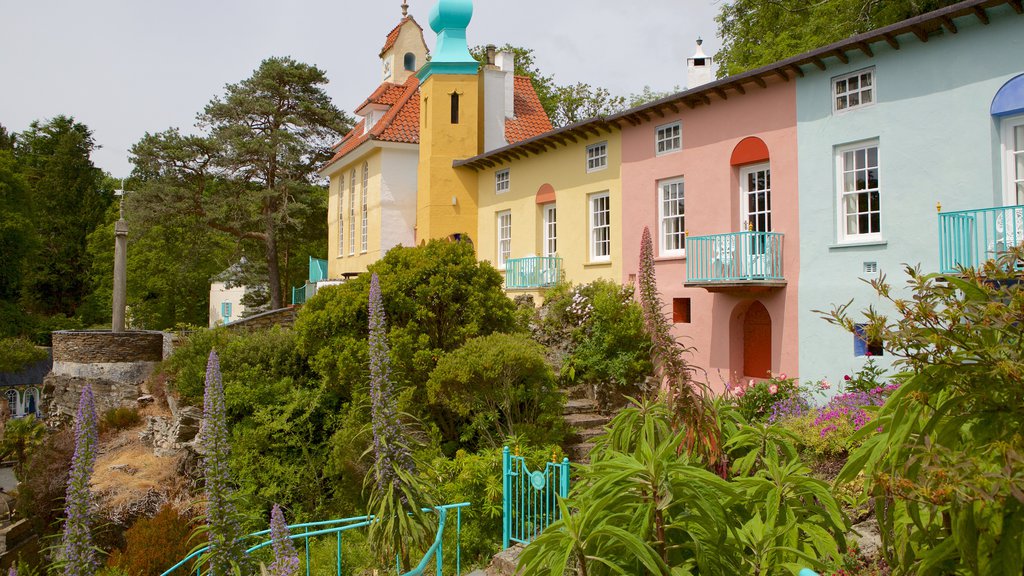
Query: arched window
point(31, 401)
point(12, 401)
point(410, 61)
point(1008, 107)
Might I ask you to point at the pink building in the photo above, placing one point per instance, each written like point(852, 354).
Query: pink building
point(713, 173)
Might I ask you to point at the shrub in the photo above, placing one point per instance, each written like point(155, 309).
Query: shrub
point(16, 354)
point(44, 482)
point(153, 545)
point(119, 419)
point(869, 378)
point(756, 399)
point(502, 385)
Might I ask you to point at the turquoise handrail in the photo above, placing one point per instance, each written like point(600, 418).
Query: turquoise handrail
point(734, 257)
point(968, 238)
point(532, 272)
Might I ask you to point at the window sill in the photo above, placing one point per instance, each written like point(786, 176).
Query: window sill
point(865, 244)
point(597, 264)
point(593, 170)
point(671, 258)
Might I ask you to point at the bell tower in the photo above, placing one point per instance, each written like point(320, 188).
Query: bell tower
point(451, 127)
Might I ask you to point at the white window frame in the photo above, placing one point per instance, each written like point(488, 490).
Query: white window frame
point(352, 214)
point(363, 235)
point(1009, 161)
point(503, 229)
point(341, 215)
point(835, 94)
point(550, 229)
point(844, 237)
point(597, 157)
point(7, 396)
point(502, 181)
point(672, 142)
point(596, 227)
point(745, 214)
point(664, 219)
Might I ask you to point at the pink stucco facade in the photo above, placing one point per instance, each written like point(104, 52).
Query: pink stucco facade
point(719, 322)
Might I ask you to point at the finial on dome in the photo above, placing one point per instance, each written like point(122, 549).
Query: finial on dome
point(405, 9)
point(699, 40)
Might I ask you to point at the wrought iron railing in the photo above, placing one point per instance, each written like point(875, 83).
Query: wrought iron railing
point(303, 293)
point(734, 257)
point(530, 499)
point(533, 272)
point(336, 528)
point(968, 238)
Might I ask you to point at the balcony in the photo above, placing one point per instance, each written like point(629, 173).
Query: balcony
point(735, 261)
point(968, 238)
point(532, 272)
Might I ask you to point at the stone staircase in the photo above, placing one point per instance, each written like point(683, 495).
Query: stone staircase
point(587, 422)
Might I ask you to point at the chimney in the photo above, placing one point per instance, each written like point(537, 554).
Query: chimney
point(499, 97)
point(507, 63)
point(698, 68)
point(490, 54)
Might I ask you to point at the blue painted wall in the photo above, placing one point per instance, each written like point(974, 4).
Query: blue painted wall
point(937, 143)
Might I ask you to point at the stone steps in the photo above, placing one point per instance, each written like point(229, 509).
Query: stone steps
point(582, 414)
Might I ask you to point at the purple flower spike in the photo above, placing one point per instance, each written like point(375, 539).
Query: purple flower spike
point(78, 553)
point(286, 559)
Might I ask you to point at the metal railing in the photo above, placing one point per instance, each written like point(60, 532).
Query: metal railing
point(337, 528)
point(533, 272)
point(303, 293)
point(734, 257)
point(530, 499)
point(968, 238)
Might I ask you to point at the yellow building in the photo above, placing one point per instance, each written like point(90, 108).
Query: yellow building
point(550, 207)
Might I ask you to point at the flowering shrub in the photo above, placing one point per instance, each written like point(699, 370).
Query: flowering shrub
point(78, 554)
point(868, 378)
point(757, 400)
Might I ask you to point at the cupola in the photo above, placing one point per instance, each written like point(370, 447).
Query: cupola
point(449, 19)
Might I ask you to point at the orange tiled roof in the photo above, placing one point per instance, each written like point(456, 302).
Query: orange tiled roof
point(393, 35)
point(531, 119)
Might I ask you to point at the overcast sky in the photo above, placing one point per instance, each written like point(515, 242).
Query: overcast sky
point(125, 67)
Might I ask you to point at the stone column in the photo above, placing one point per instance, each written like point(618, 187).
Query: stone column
point(120, 274)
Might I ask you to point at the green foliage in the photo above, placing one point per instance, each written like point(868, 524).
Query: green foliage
point(22, 437)
point(756, 398)
point(153, 545)
point(945, 467)
point(18, 241)
point(503, 386)
point(759, 32)
point(119, 419)
point(870, 377)
point(16, 354)
point(44, 482)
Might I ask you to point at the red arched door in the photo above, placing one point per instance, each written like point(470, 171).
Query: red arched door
point(757, 341)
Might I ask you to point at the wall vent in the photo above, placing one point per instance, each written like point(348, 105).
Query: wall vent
point(871, 267)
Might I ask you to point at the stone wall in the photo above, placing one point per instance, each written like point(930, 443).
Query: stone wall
point(284, 317)
point(89, 346)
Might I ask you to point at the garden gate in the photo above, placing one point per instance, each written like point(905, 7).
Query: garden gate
point(530, 499)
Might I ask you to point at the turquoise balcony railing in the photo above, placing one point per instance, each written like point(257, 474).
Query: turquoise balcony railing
point(532, 272)
point(970, 237)
point(317, 270)
point(303, 293)
point(736, 257)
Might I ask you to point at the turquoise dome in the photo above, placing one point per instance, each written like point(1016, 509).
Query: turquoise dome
point(449, 14)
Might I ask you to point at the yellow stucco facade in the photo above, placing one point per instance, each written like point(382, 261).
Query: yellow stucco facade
point(345, 221)
point(565, 169)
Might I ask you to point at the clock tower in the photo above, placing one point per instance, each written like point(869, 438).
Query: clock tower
point(404, 51)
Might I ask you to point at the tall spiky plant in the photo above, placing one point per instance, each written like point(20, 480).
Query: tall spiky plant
point(396, 496)
point(222, 525)
point(286, 559)
point(688, 398)
point(78, 554)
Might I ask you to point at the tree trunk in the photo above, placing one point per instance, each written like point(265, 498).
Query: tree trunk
point(273, 271)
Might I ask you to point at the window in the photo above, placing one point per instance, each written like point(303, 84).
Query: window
point(597, 157)
point(860, 212)
point(1013, 130)
point(855, 90)
point(756, 200)
point(671, 216)
point(501, 181)
point(681, 310)
point(341, 215)
point(600, 228)
point(410, 61)
point(366, 178)
point(863, 345)
point(225, 310)
point(352, 213)
point(669, 138)
point(12, 401)
point(31, 401)
point(455, 107)
point(550, 230)
point(504, 238)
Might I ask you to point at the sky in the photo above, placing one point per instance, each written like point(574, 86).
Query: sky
point(127, 67)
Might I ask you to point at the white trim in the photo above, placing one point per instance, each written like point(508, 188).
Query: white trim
point(354, 155)
point(498, 181)
point(549, 229)
point(664, 233)
point(744, 195)
point(859, 91)
point(364, 199)
point(504, 242)
point(658, 139)
point(842, 237)
point(1009, 161)
point(603, 158)
point(594, 227)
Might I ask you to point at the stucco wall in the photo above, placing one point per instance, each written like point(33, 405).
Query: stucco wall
point(937, 143)
point(710, 133)
point(219, 294)
point(397, 198)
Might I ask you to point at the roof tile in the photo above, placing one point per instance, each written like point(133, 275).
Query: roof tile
point(531, 119)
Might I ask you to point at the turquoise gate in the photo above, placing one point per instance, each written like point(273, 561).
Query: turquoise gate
point(530, 499)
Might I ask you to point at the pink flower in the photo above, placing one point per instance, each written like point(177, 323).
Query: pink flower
point(783, 376)
point(824, 385)
point(773, 389)
point(751, 382)
point(847, 377)
point(740, 392)
point(868, 353)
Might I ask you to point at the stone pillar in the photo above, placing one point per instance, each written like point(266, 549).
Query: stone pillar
point(120, 274)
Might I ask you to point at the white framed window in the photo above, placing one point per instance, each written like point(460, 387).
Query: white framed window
point(1013, 147)
point(352, 213)
point(855, 90)
point(550, 223)
point(12, 401)
point(597, 157)
point(502, 181)
point(669, 138)
point(341, 215)
point(363, 198)
point(671, 216)
point(860, 210)
point(504, 238)
point(600, 228)
point(756, 198)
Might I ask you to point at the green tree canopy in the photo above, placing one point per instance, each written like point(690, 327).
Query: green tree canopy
point(758, 32)
point(17, 233)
